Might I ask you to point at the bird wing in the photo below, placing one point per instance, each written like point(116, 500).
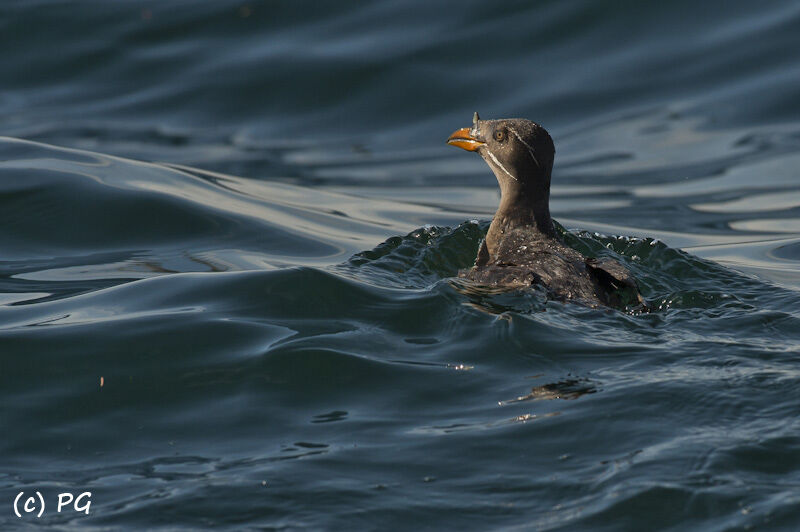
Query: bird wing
point(617, 279)
point(483, 255)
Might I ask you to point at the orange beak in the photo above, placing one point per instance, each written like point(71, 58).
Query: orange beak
point(464, 140)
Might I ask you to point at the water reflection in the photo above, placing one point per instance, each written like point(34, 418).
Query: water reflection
point(567, 389)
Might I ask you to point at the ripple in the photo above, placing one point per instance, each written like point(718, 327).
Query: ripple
point(245, 221)
point(754, 203)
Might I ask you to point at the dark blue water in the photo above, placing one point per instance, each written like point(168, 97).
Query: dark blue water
point(229, 233)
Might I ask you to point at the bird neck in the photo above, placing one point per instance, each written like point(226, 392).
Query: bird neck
point(520, 208)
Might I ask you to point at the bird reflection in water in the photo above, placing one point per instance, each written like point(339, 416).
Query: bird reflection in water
point(566, 389)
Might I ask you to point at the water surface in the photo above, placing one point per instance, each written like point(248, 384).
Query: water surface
point(230, 234)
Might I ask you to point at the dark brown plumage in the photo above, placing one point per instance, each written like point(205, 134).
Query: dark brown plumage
point(522, 247)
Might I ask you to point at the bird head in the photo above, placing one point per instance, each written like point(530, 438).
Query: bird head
point(519, 152)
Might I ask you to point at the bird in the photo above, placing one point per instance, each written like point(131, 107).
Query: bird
point(522, 247)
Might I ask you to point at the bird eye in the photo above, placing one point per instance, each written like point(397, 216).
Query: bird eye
point(500, 135)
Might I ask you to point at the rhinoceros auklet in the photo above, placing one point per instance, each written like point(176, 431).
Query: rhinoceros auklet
point(522, 247)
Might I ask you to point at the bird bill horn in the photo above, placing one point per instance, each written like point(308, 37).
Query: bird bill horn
point(475, 118)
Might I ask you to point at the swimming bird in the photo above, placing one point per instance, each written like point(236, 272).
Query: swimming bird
point(522, 247)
